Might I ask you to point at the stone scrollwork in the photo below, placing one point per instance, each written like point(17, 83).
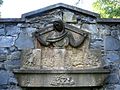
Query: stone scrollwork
point(60, 35)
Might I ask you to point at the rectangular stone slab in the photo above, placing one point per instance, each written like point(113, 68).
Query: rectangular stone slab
point(61, 78)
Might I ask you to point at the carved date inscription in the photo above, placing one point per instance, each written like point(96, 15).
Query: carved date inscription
point(62, 80)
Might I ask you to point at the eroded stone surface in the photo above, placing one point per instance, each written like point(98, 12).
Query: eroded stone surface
point(65, 58)
point(2, 31)
point(53, 58)
point(31, 58)
point(61, 78)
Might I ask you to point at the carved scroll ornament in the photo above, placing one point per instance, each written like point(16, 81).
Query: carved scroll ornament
point(58, 35)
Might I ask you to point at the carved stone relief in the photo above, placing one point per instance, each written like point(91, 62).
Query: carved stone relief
point(63, 42)
point(63, 46)
point(59, 37)
point(62, 81)
point(31, 59)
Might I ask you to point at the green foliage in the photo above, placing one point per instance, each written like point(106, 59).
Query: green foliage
point(107, 8)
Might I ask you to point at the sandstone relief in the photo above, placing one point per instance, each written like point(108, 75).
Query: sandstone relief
point(61, 46)
point(59, 37)
point(31, 58)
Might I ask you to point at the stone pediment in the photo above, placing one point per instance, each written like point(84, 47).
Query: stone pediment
point(61, 6)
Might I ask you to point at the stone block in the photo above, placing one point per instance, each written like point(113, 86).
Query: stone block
point(2, 67)
point(3, 57)
point(13, 48)
point(24, 41)
point(96, 45)
point(111, 43)
point(12, 64)
point(117, 87)
point(112, 57)
point(92, 28)
point(2, 31)
point(4, 51)
point(14, 55)
point(31, 58)
point(30, 31)
point(4, 77)
point(61, 78)
point(7, 41)
point(13, 81)
point(11, 30)
point(69, 17)
point(112, 79)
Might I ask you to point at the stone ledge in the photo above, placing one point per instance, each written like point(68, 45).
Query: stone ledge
point(108, 20)
point(11, 20)
point(84, 71)
point(61, 78)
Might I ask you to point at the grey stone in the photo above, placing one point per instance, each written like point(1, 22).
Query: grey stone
point(13, 48)
point(111, 43)
point(112, 79)
point(4, 77)
point(69, 17)
point(4, 87)
point(4, 51)
point(111, 57)
point(3, 57)
point(115, 33)
point(24, 41)
point(11, 30)
point(117, 87)
point(96, 45)
point(30, 31)
point(6, 41)
point(13, 81)
point(19, 25)
point(14, 55)
point(2, 25)
point(2, 31)
point(109, 87)
point(2, 67)
point(12, 64)
point(14, 87)
point(92, 28)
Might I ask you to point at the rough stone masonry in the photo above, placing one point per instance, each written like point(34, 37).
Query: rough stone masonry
point(16, 35)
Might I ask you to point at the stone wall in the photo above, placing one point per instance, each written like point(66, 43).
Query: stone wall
point(111, 55)
point(16, 35)
point(13, 39)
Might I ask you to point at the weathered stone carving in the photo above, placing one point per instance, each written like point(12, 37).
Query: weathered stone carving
point(31, 58)
point(62, 80)
point(58, 36)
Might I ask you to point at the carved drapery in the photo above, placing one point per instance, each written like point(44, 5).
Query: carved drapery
point(60, 35)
